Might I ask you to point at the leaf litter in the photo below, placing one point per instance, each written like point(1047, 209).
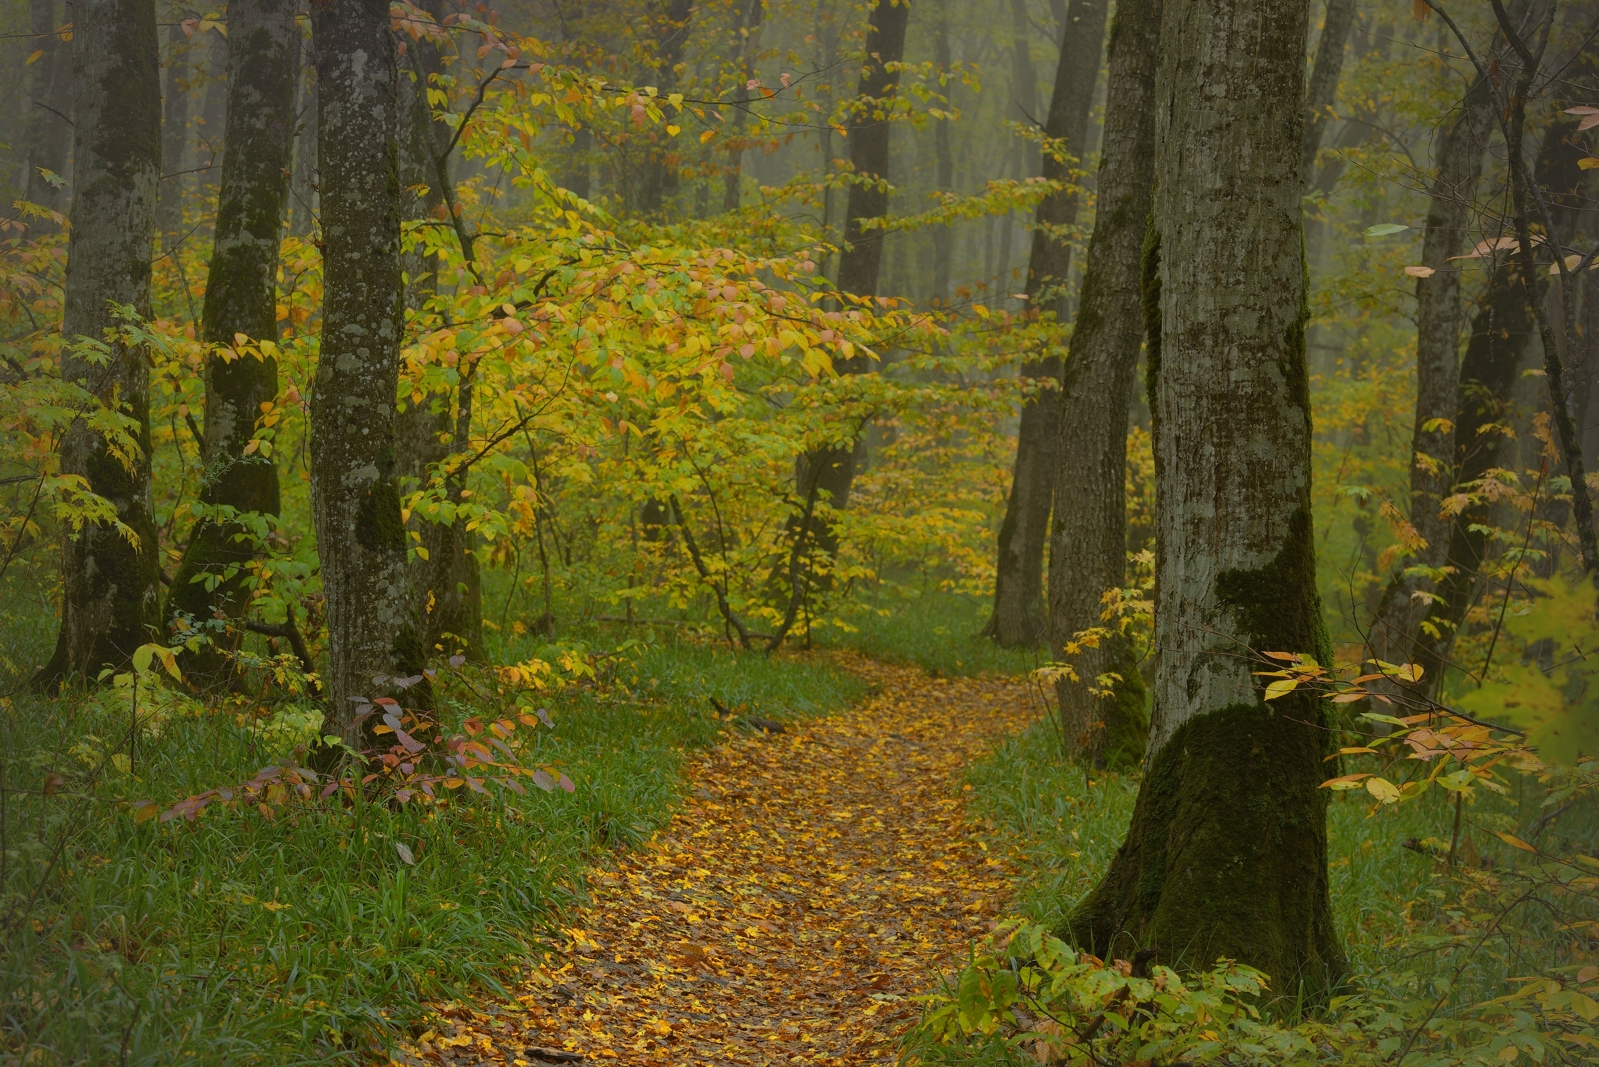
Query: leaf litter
point(814, 882)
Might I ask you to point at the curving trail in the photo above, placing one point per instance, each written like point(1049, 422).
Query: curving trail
point(816, 880)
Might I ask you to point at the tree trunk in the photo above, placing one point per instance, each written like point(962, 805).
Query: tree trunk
point(241, 298)
point(48, 131)
point(1323, 90)
point(1024, 83)
point(944, 159)
point(659, 179)
point(752, 13)
point(1088, 546)
point(1226, 854)
point(174, 139)
point(1018, 617)
point(446, 588)
point(828, 473)
point(110, 600)
point(302, 190)
point(1432, 472)
point(354, 489)
point(213, 119)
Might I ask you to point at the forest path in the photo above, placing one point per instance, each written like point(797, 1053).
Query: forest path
point(815, 881)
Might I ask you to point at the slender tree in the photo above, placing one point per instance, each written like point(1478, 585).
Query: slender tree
point(1226, 854)
point(111, 594)
point(944, 157)
point(1323, 88)
point(213, 51)
point(751, 14)
point(1088, 545)
point(1018, 617)
point(829, 472)
point(354, 487)
point(49, 130)
point(659, 175)
point(174, 136)
point(241, 299)
point(302, 187)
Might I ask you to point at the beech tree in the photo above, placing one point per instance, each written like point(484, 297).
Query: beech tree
point(241, 299)
point(354, 487)
point(111, 583)
point(1018, 617)
point(1088, 545)
point(1226, 854)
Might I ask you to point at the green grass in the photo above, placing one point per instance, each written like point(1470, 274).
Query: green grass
point(936, 631)
point(306, 938)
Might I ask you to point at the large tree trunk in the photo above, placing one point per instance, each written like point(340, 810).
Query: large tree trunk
point(354, 488)
point(827, 473)
point(1432, 470)
point(48, 131)
point(1018, 617)
point(174, 138)
point(1088, 546)
point(1226, 854)
point(241, 298)
point(1323, 88)
point(110, 601)
point(659, 177)
point(446, 588)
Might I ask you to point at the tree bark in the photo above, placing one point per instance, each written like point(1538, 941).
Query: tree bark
point(446, 587)
point(1432, 472)
point(659, 177)
point(302, 190)
point(174, 138)
point(110, 600)
point(48, 131)
point(241, 298)
point(1088, 546)
point(1226, 854)
point(213, 120)
point(751, 14)
point(827, 473)
point(1323, 90)
point(944, 159)
point(354, 489)
point(1018, 617)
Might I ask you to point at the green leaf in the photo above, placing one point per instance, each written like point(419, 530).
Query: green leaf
point(1383, 229)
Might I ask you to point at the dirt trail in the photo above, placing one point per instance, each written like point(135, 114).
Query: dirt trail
point(816, 880)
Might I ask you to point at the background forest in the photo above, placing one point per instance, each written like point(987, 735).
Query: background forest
point(406, 463)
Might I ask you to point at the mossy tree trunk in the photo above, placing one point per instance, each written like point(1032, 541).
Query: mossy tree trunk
point(827, 473)
point(1088, 546)
point(354, 488)
point(111, 596)
point(1438, 314)
point(48, 132)
point(1018, 617)
point(240, 298)
point(1226, 854)
point(446, 589)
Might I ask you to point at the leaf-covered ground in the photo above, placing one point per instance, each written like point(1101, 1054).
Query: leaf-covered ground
point(815, 880)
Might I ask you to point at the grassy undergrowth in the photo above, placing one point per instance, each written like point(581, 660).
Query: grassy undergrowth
point(304, 934)
point(1409, 925)
point(938, 631)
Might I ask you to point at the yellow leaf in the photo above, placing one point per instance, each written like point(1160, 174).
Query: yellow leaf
point(1586, 163)
point(1383, 790)
point(673, 131)
point(1513, 841)
point(1281, 688)
point(1585, 1006)
point(707, 135)
point(1348, 781)
point(39, 52)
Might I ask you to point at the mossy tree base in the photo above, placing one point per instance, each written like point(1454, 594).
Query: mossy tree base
point(1226, 856)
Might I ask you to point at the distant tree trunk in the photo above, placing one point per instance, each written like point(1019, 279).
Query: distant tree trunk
point(241, 298)
point(1323, 90)
point(577, 172)
point(1432, 469)
point(1018, 617)
point(1024, 82)
point(1226, 854)
point(213, 119)
point(752, 13)
point(943, 236)
point(659, 177)
point(1088, 546)
point(111, 597)
point(48, 130)
point(354, 489)
point(174, 138)
point(446, 588)
point(828, 473)
point(302, 190)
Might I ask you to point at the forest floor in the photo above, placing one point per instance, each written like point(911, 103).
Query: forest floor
point(814, 882)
